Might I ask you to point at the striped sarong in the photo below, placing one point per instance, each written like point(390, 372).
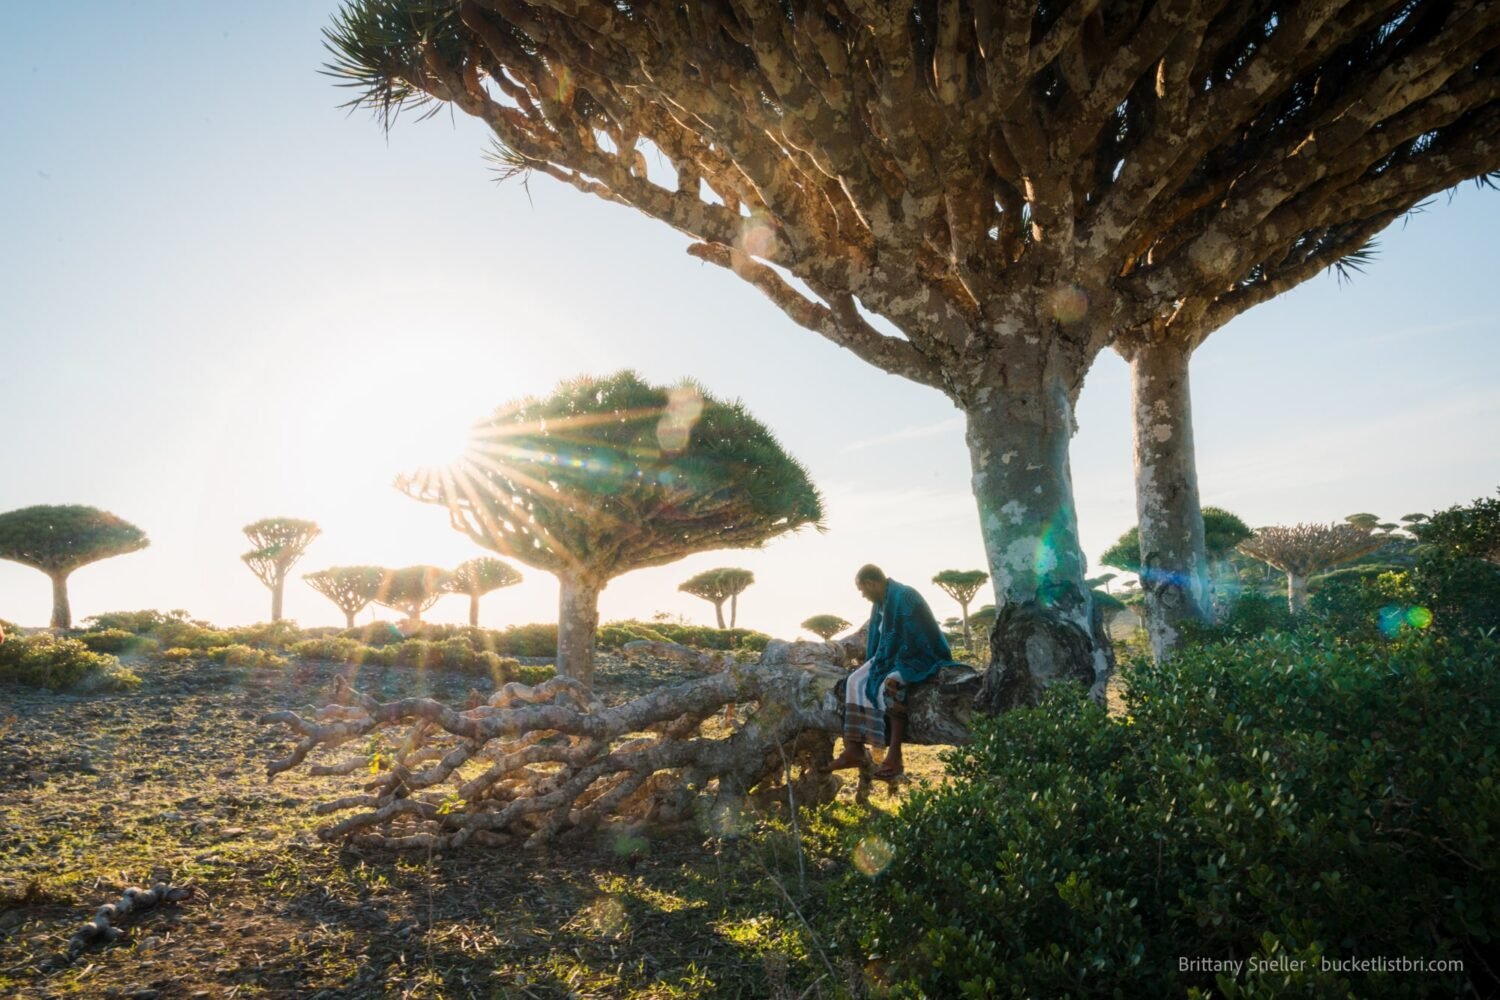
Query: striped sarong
point(865, 721)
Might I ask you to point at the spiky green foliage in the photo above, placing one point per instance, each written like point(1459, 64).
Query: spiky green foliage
point(58, 540)
point(1471, 531)
point(411, 590)
point(352, 588)
point(1222, 531)
point(716, 586)
point(825, 627)
point(278, 542)
point(607, 475)
point(478, 577)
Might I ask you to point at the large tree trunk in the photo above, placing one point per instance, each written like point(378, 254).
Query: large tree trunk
point(1043, 632)
point(1174, 569)
point(968, 642)
point(474, 610)
point(734, 609)
point(349, 617)
point(577, 625)
point(559, 764)
point(62, 613)
point(1296, 592)
point(276, 591)
point(719, 612)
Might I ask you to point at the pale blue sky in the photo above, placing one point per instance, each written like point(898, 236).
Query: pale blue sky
point(223, 299)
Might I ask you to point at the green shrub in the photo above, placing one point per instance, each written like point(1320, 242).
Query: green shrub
point(534, 674)
point(334, 648)
point(146, 622)
point(1284, 799)
point(754, 642)
point(239, 655)
point(1245, 616)
point(613, 635)
point(46, 660)
point(179, 653)
point(116, 640)
point(377, 634)
point(275, 636)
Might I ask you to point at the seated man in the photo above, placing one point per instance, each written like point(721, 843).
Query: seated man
point(902, 647)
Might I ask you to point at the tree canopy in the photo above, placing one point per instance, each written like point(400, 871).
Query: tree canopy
point(278, 543)
point(349, 587)
point(1304, 549)
point(478, 577)
point(716, 586)
point(607, 475)
point(58, 540)
point(1468, 530)
point(825, 627)
point(411, 590)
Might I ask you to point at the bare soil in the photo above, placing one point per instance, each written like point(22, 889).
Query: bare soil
point(103, 792)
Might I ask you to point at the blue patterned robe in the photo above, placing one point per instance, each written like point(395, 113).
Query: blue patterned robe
point(903, 639)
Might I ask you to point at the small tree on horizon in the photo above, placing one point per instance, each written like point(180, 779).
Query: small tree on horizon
point(609, 475)
point(825, 627)
point(59, 539)
point(716, 586)
point(352, 588)
point(1305, 549)
point(278, 543)
point(478, 577)
point(962, 585)
point(411, 590)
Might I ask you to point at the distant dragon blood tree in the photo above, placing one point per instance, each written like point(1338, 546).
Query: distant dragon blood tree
point(1013, 187)
point(825, 627)
point(716, 586)
point(609, 475)
point(279, 542)
point(352, 588)
point(1305, 549)
point(58, 540)
point(962, 585)
point(411, 590)
point(478, 577)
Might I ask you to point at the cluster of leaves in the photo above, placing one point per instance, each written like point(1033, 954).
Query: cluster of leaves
point(1259, 801)
point(613, 635)
point(117, 641)
point(61, 663)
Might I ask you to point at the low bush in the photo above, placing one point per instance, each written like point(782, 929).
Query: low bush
point(62, 664)
point(117, 640)
point(239, 655)
point(335, 648)
point(534, 674)
point(1285, 803)
point(613, 635)
point(178, 653)
point(275, 636)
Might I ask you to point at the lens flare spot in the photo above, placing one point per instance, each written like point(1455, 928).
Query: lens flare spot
point(1068, 304)
point(1418, 617)
point(756, 238)
point(873, 855)
point(606, 917)
point(725, 819)
point(628, 845)
point(684, 407)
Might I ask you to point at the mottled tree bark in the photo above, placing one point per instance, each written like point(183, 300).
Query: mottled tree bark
point(577, 625)
point(1043, 632)
point(349, 618)
point(719, 613)
point(62, 613)
point(474, 610)
point(1296, 592)
point(1174, 568)
point(734, 610)
point(277, 590)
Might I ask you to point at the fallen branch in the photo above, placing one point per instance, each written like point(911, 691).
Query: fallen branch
point(102, 926)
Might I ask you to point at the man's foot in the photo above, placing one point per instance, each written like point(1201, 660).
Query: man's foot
point(849, 758)
point(889, 769)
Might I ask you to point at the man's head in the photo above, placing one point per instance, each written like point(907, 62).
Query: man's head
point(871, 582)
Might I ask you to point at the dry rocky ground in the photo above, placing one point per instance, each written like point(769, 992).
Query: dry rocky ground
point(103, 792)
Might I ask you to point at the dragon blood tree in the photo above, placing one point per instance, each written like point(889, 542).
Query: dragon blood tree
point(58, 540)
point(1305, 549)
point(411, 591)
point(716, 586)
point(962, 585)
point(825, 627)
point(478, 577)
point(1010, 186)
point(279, 542)
point(610, 475)
point(352, 588)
